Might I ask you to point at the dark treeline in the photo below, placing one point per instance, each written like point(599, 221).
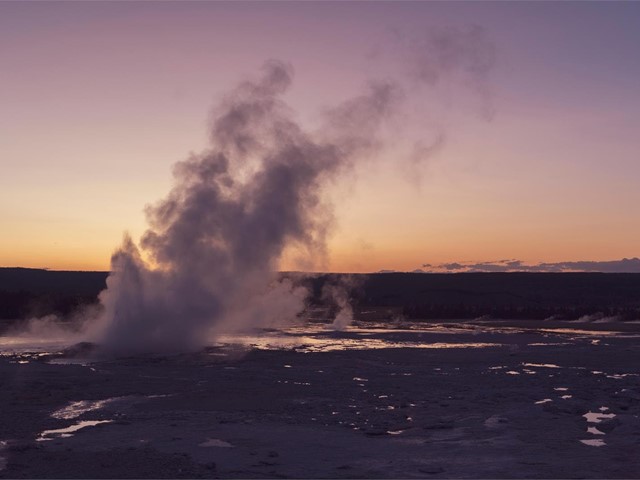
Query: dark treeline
point(26, 293)
point(499, 295)
point(25, 304)
point(436, 311)
point(39, 281)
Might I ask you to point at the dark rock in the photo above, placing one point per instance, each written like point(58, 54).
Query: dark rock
point(439, 425)
point(431, 469)
point(375, 432)
point(567, 407)
point(607, 425)
point(21, 447)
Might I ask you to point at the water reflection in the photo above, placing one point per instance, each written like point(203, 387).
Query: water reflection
point(541, 365)
point(68, 431)
point(75, 409)
point(597, 417)
point(316, 338)
point(215, 442)
point(3, 460)
point(594, 442)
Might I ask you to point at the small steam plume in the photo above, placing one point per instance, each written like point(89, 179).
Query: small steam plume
point(208, 261)
point(337, 292)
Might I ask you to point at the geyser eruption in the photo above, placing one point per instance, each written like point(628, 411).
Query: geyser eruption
point(209, 258)
point(208, 261)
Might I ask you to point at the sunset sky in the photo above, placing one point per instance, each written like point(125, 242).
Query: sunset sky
point(98, 100)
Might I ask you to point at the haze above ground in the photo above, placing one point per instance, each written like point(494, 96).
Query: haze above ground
point(100, 99)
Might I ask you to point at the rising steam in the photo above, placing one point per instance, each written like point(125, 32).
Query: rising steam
point(208, 261)
point(214, 242)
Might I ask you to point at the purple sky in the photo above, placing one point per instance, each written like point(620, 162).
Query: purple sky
point(100, 99)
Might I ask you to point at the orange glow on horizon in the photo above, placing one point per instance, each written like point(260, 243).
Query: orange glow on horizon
point(90, 133)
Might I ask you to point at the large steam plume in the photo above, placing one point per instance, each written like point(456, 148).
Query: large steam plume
point(208, 261)
point(214, 242)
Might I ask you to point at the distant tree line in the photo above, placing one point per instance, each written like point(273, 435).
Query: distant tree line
point(429, 311)
point(28, 293)
point(23, 305)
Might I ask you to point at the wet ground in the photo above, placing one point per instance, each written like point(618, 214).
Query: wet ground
point(463, 400)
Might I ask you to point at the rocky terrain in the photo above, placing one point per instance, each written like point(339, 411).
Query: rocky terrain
point(464, 400)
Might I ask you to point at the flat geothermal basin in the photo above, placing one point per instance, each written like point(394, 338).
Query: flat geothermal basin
point(455, 399)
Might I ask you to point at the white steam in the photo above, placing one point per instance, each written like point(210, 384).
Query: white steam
point(208, 261)
point(214, 242)
point(337, 292)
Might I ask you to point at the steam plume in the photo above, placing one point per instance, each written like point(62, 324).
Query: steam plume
point(337, 291)
point(441, 54)
point(207, 262)
point(214, 242)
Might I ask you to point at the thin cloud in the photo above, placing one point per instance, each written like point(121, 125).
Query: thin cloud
point(626, 265)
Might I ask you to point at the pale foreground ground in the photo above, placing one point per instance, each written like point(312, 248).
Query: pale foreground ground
point(491, 401)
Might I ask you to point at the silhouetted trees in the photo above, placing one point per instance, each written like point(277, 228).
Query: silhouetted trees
point(26, 293)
